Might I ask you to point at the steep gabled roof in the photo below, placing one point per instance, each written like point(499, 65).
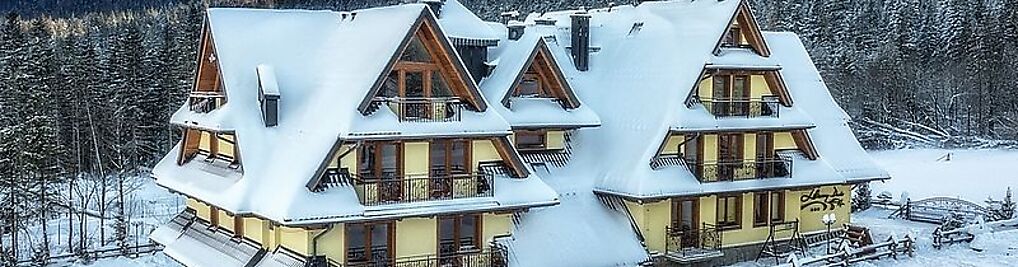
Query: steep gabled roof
point(649, 57)
point(462, 82)
point(324, 62)
point(514, 58)
point(745, 18)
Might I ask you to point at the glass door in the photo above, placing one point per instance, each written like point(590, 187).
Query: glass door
point(458, 235)
point(685, 219)
point(370, 244)
point(450, 162)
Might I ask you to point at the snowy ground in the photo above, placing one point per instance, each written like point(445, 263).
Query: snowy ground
point(156, 260)
point(973, 175)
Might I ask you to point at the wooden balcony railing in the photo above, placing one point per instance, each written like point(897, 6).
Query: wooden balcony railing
point(430, 109)
point(205, 102)
point(685, 243)
point(741, 107)
point(495, 257)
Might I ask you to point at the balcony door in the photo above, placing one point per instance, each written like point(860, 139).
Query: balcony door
point(450, 162)
point(458, 235)
point(765, 164)
point(417, 77)
point(692, 151)
point(730, 150)
point(381, 164)
point(685, 219)
point(370, 244)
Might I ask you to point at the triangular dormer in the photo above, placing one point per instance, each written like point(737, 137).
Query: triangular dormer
point(208, 79)
point(425, 66)
point(541, 77)
point(743, 31)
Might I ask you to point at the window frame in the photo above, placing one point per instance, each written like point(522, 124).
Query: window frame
point(778, 215)
point(378, 161)
point(761, 209)
point(721, 210)
point(457, 231)
point(540, 134)
point(368, 227)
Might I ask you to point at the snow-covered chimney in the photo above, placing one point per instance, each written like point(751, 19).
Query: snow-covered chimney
point(581, 40)
point(516, 30)
point(268, 94)
point(436, 6)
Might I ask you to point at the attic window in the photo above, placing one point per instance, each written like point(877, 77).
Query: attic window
point(532, 86)
point(215, 148)
point(733, 38)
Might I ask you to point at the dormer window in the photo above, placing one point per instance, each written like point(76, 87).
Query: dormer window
point(733, 38)
point(531, 140)
point(532, 86)
point(217, 148)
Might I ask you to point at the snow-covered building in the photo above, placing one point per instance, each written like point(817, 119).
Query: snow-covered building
point(670, 131)
point(716, 138)
point(343, 138)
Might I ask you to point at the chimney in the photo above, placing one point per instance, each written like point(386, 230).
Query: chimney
point(516, 30)
point(509, 16)
point(436, 6)
point(268, 94)
point(581, 40)
point(545, 21)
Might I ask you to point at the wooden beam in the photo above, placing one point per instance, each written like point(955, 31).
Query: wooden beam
point(505, 149)
point(778, 87)
point(805, 143)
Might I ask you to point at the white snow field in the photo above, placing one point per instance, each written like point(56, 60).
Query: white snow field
point(973, 175)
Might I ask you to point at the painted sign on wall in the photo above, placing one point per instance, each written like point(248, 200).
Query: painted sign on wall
point(818, 200)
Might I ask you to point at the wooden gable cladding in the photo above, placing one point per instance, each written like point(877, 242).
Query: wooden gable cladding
point(208, 78)
point(552, 80)
point(778, 87)
point(805, 143)
point(445, 59)
point(749, 29)
point(513, 159)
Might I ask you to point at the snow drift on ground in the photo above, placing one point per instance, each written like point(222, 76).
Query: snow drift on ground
point(973, 175)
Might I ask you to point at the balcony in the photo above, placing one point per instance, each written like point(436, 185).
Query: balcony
point(390, 188)
point(496, 257)
point(424, 109)
point(727, 171)
point(205, 102)
point(767, 106)
point(687, 245)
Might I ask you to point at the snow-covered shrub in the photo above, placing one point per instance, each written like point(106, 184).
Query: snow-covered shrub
point(862, 198)
point(1001, 209)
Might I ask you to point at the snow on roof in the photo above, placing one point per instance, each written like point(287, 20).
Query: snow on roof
point(460, 22)
point(512, 58)
point(648, 59)
point(736, 57)
point(267, 80)
point(326, 62)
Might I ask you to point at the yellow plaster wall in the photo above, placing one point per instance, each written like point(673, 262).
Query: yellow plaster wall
point(556, 140)
point(749, 149)
point(332, 245)
point(296, 239)
point(810, 219)
point(710, 147)
point(484, 150)
point(760, 87)
point(254, 229)
point(225, 147)
point(203, 211)
point(495, 225)
point(349, 161)
point(205, 141)
point(783, 140)
point(226, 221)
point(706, 88)
point(652, 218)
point(416, 237)
point(672, 144)
point(415, 159)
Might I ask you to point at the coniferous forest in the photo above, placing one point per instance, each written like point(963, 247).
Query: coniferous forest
point(87, 87)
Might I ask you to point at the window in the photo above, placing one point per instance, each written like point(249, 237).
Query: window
point(380, 160)
point(733, 38)
point(531, 85)
point(531, 140)
point(729, 211)
point(416, 75)
point(458, 233)
point(448, 158)
point(764, 145)
point(777, 206)
point(768, 207)
point(761, 208)
point(721, 87)
point(684, 214)
point(370, 243)
point(740, 87)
